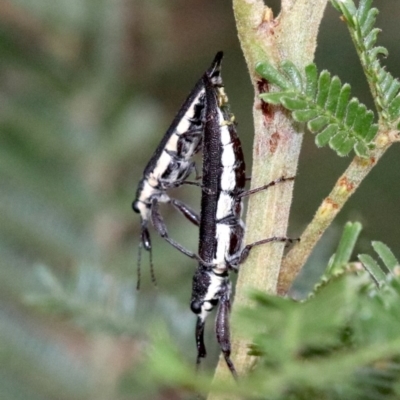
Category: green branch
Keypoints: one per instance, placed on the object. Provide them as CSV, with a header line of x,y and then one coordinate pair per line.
x,y
327,211
385,90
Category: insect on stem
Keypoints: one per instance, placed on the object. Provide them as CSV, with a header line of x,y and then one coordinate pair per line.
x,y
172,162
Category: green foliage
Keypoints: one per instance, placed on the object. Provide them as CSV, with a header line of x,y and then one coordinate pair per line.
x,y
342,343
390,264
323,103
345,249
339,263
385,88
93,299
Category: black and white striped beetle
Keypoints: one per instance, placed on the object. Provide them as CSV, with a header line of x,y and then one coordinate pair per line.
x,y
221,227
171,164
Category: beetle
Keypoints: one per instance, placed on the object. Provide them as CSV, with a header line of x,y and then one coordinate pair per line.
x,y
171,164
221,230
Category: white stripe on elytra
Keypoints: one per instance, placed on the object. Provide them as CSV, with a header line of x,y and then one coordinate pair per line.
x,y
223,237
162,164
226,200
225,135
224,206
165,159
228,179
228,159
172,144
185,122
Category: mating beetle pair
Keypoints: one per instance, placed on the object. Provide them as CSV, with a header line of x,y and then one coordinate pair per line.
x,y
203,122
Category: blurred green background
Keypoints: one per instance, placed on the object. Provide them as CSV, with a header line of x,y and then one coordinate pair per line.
x,y
88,88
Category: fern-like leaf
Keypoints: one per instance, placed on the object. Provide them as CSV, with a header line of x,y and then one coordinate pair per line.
x,y
373,268
378,272
323,103
387,257
339,263
345,249
385,88
347,335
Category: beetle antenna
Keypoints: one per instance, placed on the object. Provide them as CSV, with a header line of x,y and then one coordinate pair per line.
x,y
139,259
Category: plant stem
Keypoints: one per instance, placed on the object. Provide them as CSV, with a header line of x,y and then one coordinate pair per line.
x,y
327,211
276,147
